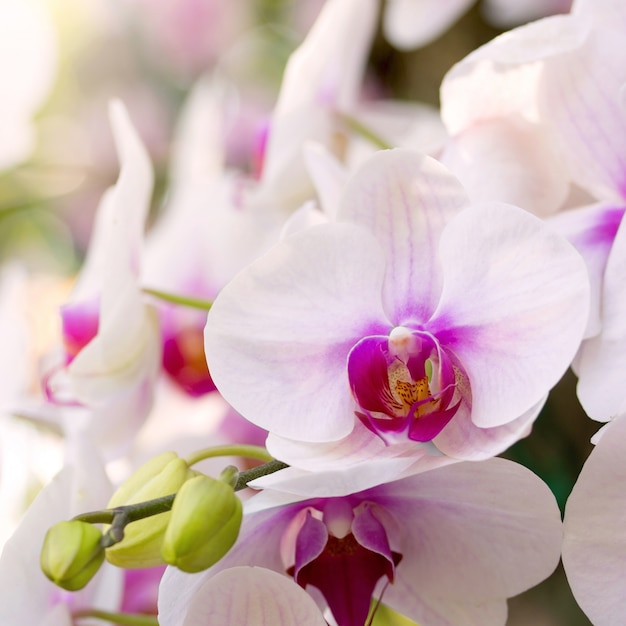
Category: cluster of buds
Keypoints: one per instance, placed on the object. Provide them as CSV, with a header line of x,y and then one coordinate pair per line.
x,y
165,512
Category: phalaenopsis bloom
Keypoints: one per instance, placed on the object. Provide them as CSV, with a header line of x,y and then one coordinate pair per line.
x,y
444,547
421,315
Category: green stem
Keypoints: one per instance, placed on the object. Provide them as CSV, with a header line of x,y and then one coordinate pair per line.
x,y
250,452
360,129
131,512
194,303
123,619
257,472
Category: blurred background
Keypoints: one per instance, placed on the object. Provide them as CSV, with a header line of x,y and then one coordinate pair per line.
x,y
61,61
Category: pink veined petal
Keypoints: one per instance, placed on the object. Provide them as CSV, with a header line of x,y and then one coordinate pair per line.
x,y
513,308
278,335
469,533
414,23
603,358
405,199
580,100
594,547
243,596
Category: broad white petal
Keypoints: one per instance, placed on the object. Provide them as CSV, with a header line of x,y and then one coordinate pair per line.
x,y
470,533
513,309
242,596
509,160
580,100
502,77
278,335
594,547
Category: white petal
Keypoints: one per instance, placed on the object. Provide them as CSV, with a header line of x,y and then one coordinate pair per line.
x,y
602,359
471,533
405,199
594,548
513,309
501,78
278,335
509,160
243,596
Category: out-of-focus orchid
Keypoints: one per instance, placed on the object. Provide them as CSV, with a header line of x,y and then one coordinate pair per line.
x,y
28,64
111,355
26,596
444,547
413,23
428,318
188,36
594,546
205,235
322,78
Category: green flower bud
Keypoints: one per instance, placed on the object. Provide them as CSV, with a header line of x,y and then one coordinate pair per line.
x,y
141,546
72,554
205,522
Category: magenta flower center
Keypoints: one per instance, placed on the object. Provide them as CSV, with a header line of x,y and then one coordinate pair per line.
x,y
344,555
405,384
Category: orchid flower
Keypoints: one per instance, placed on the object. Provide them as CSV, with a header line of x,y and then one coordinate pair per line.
x,y
423,317
414,23
594,546
111,356
444,547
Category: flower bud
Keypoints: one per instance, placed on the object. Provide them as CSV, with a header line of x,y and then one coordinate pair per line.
x,y
72,554
205,522
141,546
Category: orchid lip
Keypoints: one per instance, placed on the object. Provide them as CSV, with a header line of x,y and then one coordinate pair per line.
x,y
347,568
405,384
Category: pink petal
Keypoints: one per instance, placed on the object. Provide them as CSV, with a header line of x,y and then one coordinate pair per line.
x,y
405,199
580,100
